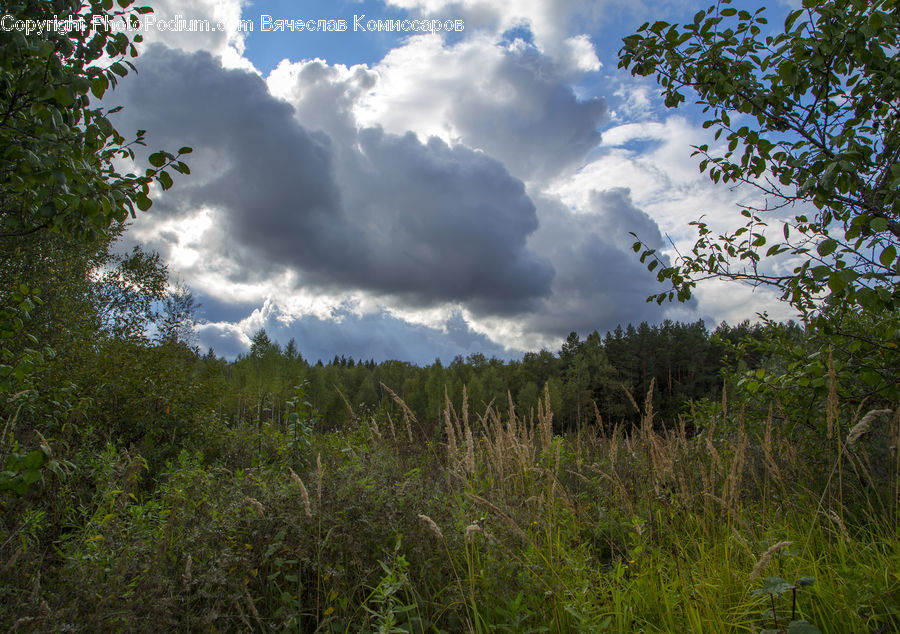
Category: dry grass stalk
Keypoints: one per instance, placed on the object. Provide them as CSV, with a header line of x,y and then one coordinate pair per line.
x,y
304,494
863,426
256,505
320,475
409,434
614,446
475,528
732,485
465,410
347,403
408,415
735,516
831,409
450,430
373,429
253,607
711,448
631,400
616,481
470,452
454,418
432,526
242,616
392,428
724,397
10,421
545,419
45,445
556,485
503,516
766,557
647,419
186,577
598,417
772,467
834,517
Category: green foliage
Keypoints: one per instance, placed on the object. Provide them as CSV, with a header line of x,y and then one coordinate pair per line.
x,y
774,587
22,470
57,152
390,611
301,421
822,134
17,362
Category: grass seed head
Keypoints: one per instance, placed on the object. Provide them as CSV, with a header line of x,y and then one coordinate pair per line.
x,y
304,494
767,556
863,426
432,526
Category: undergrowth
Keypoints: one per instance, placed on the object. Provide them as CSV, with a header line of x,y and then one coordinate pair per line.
x,y
482,521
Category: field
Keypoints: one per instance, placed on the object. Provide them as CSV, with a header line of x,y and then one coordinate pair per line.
x,y
486,520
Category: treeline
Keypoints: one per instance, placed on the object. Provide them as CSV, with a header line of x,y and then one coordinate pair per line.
x,y
596,380
117,364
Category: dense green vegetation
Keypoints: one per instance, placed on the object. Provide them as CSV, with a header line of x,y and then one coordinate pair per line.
x,y
652,479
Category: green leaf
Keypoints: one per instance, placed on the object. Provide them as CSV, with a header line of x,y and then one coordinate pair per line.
x,y
888,256
803,627
35,459
836,283
99,85
165,180
64,96
143,203
791,18
776,585
878,225
157,159
826,247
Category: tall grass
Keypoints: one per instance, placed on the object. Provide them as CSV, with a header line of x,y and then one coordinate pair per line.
x,y
486,520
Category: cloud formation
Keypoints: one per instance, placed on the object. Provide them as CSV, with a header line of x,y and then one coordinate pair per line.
x,y
392,210
517,106
425,221
380,336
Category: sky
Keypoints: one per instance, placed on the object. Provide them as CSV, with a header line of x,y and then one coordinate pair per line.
x,y
418,196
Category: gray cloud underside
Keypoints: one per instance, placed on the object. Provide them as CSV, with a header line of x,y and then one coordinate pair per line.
x,y
599,282
426,221
378,336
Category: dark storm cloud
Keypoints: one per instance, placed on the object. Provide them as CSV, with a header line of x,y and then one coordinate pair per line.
x,y
425,221
446,218
599,283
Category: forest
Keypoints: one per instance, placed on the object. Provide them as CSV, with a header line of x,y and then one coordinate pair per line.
x,y
666,477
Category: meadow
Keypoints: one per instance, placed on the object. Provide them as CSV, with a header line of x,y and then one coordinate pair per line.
x,y
486,519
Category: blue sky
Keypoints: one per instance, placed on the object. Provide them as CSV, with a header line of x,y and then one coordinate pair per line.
x,y
415,196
